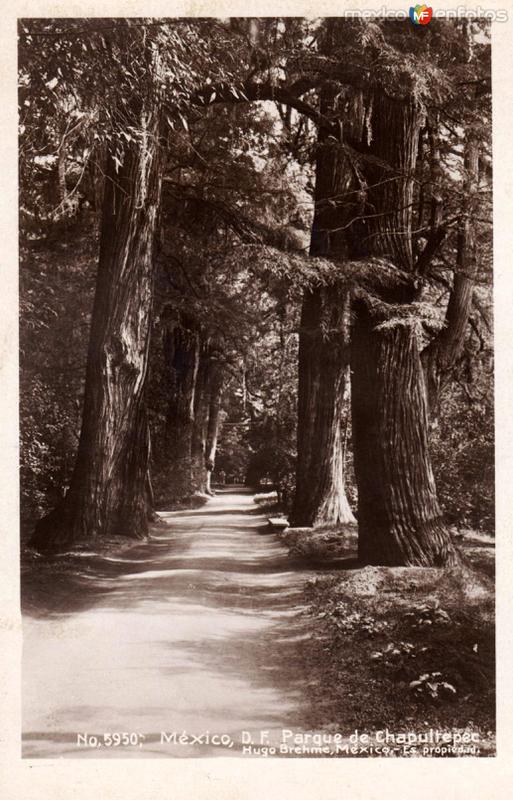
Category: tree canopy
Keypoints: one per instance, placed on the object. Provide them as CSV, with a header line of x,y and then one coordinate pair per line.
x,y
347,162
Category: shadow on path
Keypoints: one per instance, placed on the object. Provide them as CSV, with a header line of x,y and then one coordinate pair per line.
x,y
198,629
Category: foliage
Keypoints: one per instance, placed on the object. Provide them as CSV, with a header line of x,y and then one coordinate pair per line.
x,y
235,219
432,685
56,286
463,452
376,662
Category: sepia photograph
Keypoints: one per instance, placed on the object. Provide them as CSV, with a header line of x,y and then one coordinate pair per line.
x,y
256,387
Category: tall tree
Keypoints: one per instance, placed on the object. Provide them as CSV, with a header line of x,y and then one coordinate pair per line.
x,y
399,517
108,493
181,354
320,497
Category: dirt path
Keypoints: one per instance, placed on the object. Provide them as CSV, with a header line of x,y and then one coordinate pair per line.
x,y
196,631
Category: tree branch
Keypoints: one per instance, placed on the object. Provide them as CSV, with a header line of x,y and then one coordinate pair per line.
x,y
250,92
433,244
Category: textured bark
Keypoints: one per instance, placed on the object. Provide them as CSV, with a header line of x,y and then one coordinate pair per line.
x,y
181,352
108,490
389,171
399,519
323,364
320,497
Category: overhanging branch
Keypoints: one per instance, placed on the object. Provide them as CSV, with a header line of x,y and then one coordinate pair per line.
x,y
258,92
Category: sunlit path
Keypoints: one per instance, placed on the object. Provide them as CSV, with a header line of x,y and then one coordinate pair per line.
x,y
197,631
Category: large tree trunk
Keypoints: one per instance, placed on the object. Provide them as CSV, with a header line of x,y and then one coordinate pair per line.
x,y
320,497
181,352
399,519
400,523
388,170
108,490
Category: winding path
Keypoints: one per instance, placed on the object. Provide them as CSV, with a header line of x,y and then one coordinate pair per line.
x,y
196,631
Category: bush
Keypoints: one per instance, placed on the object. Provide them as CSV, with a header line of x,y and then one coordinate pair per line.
x,y
462,448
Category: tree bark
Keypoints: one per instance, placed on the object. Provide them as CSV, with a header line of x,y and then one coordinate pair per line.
x,y
108,490
389,171
399,519
181,351
320,497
